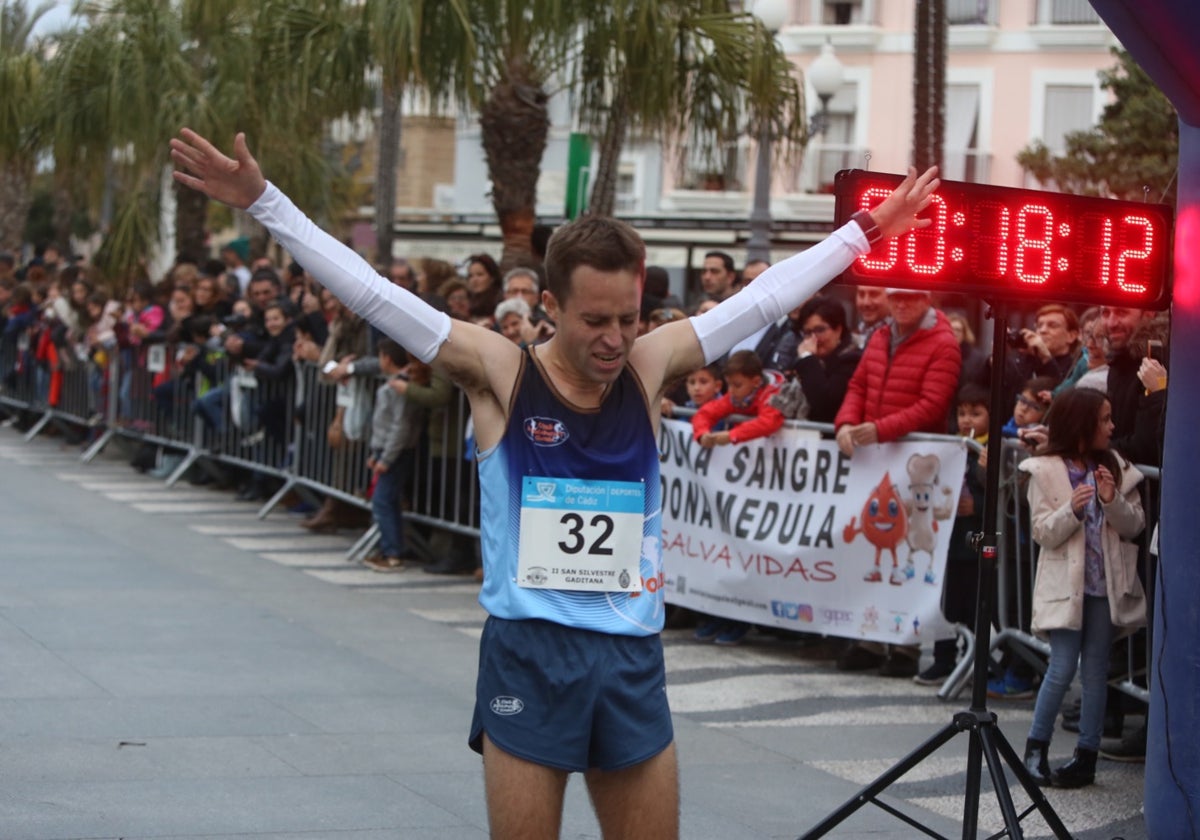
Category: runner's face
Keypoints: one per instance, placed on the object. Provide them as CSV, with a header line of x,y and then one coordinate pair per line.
x,y
598,322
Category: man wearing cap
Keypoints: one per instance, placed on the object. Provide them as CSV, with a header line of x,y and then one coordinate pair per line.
x,y
234,254
905,382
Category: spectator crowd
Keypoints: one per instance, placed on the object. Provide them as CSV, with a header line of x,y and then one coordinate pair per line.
x,y
238,346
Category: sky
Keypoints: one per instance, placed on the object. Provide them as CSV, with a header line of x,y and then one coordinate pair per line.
x,y
56,18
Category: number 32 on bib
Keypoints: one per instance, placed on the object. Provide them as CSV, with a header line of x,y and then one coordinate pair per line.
x,y
581,535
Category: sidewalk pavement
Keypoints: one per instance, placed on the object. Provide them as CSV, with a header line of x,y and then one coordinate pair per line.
x,y
171,666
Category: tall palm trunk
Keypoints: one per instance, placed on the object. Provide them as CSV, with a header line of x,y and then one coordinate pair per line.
x,y
929,83
515,124
64,211
16,197
191,223
385,174
608,166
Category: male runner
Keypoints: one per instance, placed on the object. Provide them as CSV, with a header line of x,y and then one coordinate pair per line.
x,y
571,674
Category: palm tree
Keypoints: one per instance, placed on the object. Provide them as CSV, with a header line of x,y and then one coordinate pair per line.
x,y
685,71
522,45
22,134
374,53
929,83
142,68
425,45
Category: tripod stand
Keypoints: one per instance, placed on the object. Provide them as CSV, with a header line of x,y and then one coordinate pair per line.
x,y
987,742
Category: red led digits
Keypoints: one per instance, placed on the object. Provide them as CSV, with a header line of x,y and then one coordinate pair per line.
x,y
925,249
1001,242
1028,245
1097,234
1123,280
891,248
991,240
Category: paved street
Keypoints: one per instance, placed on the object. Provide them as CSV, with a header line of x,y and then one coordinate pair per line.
x,y
171,666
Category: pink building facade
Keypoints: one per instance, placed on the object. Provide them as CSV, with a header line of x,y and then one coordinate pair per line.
x,y
1017,71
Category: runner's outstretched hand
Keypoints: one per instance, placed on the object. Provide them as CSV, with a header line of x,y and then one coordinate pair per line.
x,y
235,181
897,214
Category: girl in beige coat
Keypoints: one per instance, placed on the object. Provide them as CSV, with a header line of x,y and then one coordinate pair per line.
x,y
1084,508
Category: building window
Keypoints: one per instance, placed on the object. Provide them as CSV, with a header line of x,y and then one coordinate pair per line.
x,y
723,171
1066,13
627,189
844,12
963,160
835,148
966,12
1068,108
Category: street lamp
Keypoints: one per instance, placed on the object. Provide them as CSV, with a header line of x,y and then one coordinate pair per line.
x,y
773,14
826,75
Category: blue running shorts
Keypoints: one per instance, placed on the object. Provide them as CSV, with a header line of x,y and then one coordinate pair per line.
x,y
568,698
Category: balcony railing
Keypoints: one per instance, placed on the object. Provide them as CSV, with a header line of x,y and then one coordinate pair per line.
x,y
1065,13
968,12
835,12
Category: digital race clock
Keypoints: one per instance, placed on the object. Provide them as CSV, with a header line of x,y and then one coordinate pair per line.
x,y
1005,243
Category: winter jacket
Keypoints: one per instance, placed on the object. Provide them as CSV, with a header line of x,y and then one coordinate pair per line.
x,y
910,390
825,381
1058,583
767,418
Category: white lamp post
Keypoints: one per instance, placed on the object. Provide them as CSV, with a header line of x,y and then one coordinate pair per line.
x,y
826,75
773,14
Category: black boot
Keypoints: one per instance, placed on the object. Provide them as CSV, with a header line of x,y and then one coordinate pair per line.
x,y
1036,762
1080,771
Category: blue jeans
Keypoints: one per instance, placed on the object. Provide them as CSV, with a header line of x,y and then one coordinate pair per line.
x,y
211,408
385,505
1068,648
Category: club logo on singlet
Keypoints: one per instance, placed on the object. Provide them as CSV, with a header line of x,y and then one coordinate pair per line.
x,y
546,431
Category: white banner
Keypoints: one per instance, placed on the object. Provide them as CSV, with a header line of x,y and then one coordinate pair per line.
x,y
786,531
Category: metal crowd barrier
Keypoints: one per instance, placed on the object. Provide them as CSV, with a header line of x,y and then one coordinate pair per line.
x,y
212,415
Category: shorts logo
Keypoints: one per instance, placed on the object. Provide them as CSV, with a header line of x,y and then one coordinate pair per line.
x,y
546,431
506,706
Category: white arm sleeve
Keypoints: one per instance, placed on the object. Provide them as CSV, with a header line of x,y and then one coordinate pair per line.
x,y
777,291
403,316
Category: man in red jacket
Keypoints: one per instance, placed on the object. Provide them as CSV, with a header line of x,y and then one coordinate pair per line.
x,y
906,379
905,382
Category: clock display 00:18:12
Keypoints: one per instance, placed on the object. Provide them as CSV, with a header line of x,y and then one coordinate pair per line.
x,y
1020,243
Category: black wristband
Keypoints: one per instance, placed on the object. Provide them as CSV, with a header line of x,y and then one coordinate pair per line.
x,y
870,230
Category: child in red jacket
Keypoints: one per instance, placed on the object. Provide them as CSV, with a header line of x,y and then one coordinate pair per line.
x,y
746,392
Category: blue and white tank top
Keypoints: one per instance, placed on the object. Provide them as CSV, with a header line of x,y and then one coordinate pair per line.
x,y
547,436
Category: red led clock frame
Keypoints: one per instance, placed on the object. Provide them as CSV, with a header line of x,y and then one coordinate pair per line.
x,y
1013,244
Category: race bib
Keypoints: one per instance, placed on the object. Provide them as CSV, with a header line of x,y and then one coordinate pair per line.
x,y
581,535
